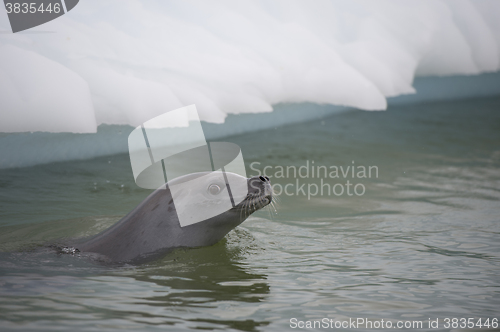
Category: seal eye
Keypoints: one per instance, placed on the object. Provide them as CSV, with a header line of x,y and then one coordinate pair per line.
x,y
213,189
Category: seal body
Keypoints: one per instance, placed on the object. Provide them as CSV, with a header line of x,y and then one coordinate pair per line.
x,y
153,226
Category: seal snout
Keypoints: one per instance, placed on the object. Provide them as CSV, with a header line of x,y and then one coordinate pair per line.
x,y
260,186
268,189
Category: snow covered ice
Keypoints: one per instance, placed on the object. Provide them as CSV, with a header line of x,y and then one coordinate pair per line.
x,y
124,62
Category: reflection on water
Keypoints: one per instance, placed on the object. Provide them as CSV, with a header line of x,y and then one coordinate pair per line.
x,y
198,288
422,242
208,286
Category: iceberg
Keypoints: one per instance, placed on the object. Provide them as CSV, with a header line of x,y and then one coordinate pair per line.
x,y
122,63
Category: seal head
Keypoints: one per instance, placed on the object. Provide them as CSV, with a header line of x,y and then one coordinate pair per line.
x,y
153,227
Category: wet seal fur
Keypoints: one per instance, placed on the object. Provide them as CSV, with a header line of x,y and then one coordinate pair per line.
x,y
153,227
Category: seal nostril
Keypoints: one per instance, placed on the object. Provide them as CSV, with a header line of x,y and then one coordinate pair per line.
x,y
267,178
263,179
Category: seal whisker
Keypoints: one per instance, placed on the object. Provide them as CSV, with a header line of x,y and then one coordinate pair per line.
x,y
276,198
270,213
247,204
274,207
242,211
248,209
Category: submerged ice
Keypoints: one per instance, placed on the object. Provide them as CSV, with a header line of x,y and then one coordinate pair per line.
x,y
124,62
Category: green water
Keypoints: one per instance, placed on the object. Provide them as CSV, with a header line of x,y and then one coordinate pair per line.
x,y
421,242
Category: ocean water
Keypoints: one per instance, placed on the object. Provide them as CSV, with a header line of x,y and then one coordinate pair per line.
x,y
417,240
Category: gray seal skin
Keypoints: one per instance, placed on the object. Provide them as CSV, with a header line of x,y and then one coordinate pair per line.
x,y
153,227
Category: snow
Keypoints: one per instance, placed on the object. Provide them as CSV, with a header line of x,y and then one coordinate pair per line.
x,y
124,62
